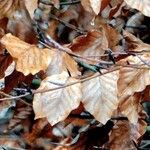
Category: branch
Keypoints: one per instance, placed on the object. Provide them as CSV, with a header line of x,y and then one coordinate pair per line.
x,y
116,67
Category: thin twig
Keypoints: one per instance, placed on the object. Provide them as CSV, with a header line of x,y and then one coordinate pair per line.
x,y
61,3
56,45
70,3
60,87
73,83
71,26
14,97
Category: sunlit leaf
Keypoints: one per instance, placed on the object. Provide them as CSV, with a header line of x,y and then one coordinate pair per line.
x,y
141,5
29,58
56,105
100,96
92,6
31,6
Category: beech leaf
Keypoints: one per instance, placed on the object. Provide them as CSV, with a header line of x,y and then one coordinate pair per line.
x,y
100,96
28,58
141,5
92,6
64,63
121,136
132,80
56,105
93,44
131,108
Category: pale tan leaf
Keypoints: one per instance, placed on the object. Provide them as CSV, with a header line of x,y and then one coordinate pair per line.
x,y
141,5
31,5
92,6
56,105
61,61
29,58
100,96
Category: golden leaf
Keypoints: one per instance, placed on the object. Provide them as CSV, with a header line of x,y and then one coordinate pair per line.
x,y
141,5
56,105
28,58
100,96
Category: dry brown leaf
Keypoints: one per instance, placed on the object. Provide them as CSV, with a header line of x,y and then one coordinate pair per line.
x,y
21,25
134,43
112,35
141,5
93,44
29,58
92,6
5,61
12,80
146,94
132,80
37,128
100,96
56,105
104,4
131,107
121,137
